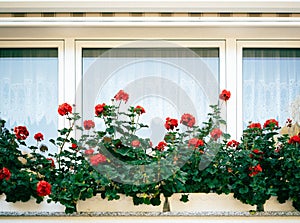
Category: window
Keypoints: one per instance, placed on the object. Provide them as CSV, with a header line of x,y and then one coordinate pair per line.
x,y
167,80
270,81
29,88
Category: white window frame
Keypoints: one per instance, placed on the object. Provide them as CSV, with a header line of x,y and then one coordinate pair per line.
x,y
239,85
63,87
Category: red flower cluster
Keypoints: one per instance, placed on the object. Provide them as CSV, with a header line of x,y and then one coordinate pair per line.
x,y
161,146
271,123
21,132
99,109
88,124
89,152
135,143
188,120
216,133
5,174
194,142
74,146
139,110
233,143
121,95
98,158
254,125
225,95
255,170
171,123
43,188
257,151
51,162
294,139
39,137
64,109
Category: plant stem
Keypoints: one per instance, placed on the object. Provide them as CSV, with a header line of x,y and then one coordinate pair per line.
x,y
64,142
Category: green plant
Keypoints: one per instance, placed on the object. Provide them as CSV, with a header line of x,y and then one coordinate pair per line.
x,y
255,164
113,160
288,176
22,172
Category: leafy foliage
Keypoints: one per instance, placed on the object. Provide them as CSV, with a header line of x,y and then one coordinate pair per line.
x,y
114,160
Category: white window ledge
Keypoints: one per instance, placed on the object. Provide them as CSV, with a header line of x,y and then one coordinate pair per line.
x,y
275,6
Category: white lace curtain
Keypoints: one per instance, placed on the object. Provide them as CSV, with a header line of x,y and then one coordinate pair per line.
x,y
167,82
29,88
271,83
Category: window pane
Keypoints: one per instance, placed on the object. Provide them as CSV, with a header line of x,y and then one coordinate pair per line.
x,y
167,82
29,89
271,82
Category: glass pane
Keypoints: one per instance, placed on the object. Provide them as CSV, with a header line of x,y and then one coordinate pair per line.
x,y
271,83
167,82
29,90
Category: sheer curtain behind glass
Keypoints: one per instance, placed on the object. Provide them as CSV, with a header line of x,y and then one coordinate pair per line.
x,y
271,82
29,89
167,82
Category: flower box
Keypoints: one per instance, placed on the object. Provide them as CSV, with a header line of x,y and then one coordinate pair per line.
x,y
124,204
273,205
208,202
204,202
30,206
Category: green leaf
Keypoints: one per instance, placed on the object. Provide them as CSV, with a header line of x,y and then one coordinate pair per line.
x,y
243,190
184,198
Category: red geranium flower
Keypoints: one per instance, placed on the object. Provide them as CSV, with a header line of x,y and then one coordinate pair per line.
x,y
161,146
121,95
188,120
5,174
98,158
225,95
89,152
139,110
21,132
294,139
88,124
171,123
271,123
257,151
99,109
233,143
216,133
195,142
74,145
43,188
64,109
255,170
52,162
135,143
39,137
254,125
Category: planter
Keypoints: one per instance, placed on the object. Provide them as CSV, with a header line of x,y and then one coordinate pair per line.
x,y
273,205
214,202
208,202
30,206
124,204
